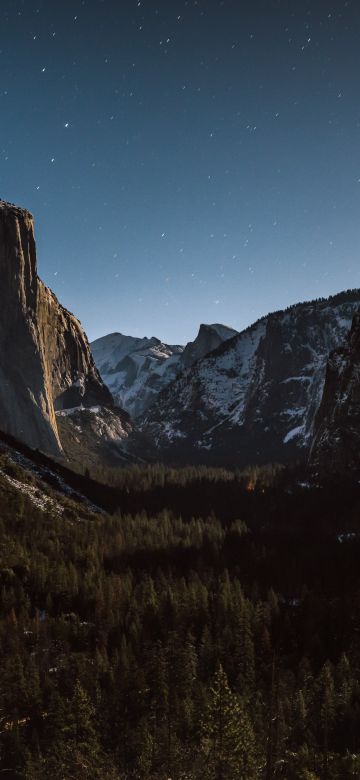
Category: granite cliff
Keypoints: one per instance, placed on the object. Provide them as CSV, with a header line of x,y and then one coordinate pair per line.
x,y
45,359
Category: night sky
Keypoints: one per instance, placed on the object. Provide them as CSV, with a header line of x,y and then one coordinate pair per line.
x,y
185,162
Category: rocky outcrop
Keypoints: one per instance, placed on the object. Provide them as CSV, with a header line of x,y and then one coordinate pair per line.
x,y
96,436
254,399
210,337
45,360
336,443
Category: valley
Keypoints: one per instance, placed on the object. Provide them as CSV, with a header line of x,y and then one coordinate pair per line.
x,y
179,531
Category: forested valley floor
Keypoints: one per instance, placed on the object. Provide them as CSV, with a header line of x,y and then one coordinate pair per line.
x,y
208,626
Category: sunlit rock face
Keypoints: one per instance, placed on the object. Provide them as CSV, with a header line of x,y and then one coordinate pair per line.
x,y
336,444
45,360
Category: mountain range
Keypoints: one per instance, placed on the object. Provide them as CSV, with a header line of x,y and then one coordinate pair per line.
x,y
285,387
255,398
230,397
136,370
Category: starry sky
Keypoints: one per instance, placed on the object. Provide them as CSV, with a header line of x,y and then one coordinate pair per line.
x,y
185,161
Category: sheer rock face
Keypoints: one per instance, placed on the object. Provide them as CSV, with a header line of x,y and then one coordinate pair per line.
x,y
45,360
336,444
210,337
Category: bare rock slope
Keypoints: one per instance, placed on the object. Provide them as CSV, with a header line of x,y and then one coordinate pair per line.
x,y
45,360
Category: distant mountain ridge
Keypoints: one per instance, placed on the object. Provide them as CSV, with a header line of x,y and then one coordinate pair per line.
x,y
136,370
255,397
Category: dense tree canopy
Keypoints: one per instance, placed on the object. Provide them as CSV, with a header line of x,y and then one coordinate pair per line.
x,y
152,646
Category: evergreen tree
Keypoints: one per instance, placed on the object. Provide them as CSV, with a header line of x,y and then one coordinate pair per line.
x,y
228,742
77,752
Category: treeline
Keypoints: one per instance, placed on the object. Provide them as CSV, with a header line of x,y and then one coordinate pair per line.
x,y
350,295
158,646
148,477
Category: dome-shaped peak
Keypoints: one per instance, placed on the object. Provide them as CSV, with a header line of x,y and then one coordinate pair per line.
x,y
209,338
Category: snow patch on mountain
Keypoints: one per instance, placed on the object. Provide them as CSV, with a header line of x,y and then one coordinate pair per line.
x,y
136,370
37,497
255,397
228,378
293,434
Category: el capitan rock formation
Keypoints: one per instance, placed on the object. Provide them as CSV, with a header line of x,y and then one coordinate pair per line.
x,y
45,360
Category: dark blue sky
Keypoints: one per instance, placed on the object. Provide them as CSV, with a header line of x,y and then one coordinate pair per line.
x,y
186,162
